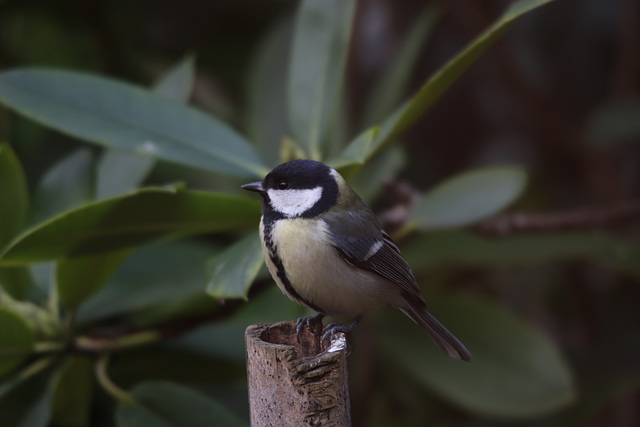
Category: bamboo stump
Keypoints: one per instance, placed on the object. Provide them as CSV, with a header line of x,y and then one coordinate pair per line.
x,y
296,384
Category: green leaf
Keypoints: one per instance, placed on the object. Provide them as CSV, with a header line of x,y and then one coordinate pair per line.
x,y
369,180
133,219
361,148
13,212
14,201
119,115
44,283
463,247
392,84
17,282
320,45
165,404
120,171
156,275
266,118
77,279
615,123
28,402
153,362
177,83
468,198
225,340
185,304
16,339
233,270
73,392
43,322
515,371
67,184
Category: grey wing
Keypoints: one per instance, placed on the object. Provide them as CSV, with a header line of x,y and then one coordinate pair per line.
x,y
361,242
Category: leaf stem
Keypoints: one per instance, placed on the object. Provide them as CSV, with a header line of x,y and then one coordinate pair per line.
x,y
109,386
36,367
48,346
98,345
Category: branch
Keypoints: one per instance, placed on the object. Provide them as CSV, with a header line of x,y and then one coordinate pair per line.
x,y
404,197
583,218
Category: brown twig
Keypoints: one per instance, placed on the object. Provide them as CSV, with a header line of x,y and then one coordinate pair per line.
x,y
404,197
584,218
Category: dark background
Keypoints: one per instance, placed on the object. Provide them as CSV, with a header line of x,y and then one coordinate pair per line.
x,y
533,99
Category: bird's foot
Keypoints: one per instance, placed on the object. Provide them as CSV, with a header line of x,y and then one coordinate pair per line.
x,y
332,329
312,323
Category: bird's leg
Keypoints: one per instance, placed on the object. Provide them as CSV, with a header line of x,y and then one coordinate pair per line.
x,y
310,323
333,328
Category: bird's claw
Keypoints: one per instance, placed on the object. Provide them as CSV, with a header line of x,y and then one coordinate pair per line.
x,y
313,322
332,329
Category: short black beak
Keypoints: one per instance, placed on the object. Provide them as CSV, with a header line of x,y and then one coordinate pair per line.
x,y
254,186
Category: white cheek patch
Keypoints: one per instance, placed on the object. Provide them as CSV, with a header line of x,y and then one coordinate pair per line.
x,y
292,203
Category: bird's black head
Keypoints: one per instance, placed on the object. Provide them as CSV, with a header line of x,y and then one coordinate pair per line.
x,y
299,188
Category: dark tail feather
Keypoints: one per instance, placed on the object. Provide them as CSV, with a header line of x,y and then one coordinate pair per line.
x,y
438,333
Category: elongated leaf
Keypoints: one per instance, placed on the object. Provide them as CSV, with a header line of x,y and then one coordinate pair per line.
x,y
43,275
266,118
67,184
233,270
42,321
320,46
11,381
361,148
153,276
469,197
464,247
380,169
13,213
14,200
129,220
515,370
17,282
28,402
79,278
121,171
73,392
392,84
177,83
123,116
16,339
165,404
225,340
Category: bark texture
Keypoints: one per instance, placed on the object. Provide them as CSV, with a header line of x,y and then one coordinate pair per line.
x,y
295,383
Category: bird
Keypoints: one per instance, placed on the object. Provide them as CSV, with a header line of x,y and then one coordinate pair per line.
x,y
325,249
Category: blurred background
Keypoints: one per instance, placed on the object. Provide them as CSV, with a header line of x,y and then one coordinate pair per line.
x,y
557,94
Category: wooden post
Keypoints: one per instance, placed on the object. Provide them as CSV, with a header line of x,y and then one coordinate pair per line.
x,y
295,384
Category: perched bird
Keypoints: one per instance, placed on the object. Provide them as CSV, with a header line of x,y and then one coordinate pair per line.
x,y
325,249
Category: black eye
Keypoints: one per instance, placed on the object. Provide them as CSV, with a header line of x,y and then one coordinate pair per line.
x,y
283,185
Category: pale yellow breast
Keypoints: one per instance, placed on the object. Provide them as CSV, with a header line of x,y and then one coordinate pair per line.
x,y
320,276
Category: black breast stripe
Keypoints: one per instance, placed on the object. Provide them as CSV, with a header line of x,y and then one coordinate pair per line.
x,y
282,274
